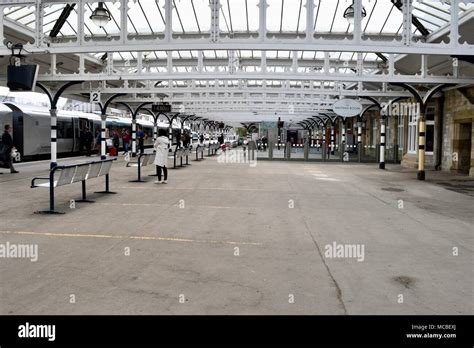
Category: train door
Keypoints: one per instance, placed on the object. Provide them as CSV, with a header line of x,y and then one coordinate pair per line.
x,y
83,123
75,123
18,131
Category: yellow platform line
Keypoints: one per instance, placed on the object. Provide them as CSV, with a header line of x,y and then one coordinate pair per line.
x,y
168,205
167,239
193,188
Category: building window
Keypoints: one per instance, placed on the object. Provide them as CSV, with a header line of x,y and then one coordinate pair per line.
x,y
374,132
400,132
412,130
430,123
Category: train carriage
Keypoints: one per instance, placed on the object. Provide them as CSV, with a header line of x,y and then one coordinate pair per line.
x,y
31,129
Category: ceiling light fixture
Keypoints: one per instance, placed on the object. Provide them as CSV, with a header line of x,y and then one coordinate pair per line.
x,y
100,16
349,13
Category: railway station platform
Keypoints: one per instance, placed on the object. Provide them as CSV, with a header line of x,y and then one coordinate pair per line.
x,y
224,238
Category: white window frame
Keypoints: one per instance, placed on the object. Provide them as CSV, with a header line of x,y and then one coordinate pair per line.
x,y
401,134
374,133
412,131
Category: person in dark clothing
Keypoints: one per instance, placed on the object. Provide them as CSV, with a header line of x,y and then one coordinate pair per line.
x,y
116,139
141,139
186,140
7,142
201,138
82,140
264,143
220,139
88,139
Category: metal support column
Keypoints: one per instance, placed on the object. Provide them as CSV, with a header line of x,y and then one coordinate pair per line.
x,y
383,121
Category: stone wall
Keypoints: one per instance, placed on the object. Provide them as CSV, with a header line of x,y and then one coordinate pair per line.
x,y
458,115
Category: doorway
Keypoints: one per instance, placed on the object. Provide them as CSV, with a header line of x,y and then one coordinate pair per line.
x,y
465,130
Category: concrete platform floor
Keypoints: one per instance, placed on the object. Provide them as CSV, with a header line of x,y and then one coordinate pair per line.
x,y
281,216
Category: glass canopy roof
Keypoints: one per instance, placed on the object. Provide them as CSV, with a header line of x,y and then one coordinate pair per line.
x,y
147,17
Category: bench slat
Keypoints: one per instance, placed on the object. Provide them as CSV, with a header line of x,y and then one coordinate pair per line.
x,y
105,168
81,173
94,170
66,176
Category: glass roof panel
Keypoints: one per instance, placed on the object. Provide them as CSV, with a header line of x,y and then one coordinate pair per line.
x,y
191,16
147,16
18,12
324,13
238,16
382,17
286,16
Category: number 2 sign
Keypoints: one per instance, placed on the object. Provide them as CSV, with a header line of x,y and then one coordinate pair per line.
x,y
95,97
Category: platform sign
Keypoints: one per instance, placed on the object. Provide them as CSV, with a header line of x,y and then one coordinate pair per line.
x,y
95,97
161,107
347,107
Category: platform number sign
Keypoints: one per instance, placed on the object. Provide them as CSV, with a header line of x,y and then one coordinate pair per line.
x,y
95,97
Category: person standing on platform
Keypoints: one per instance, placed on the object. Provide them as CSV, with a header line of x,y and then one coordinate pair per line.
x,y
82,140
97,141
116,139
141,139
7,142
126,141
88,139
187,140
161,158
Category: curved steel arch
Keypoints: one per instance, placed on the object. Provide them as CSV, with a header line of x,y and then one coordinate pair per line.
x,y
323,121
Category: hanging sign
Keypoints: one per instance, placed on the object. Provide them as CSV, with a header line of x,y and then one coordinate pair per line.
x,y
95,97
161,107
347,107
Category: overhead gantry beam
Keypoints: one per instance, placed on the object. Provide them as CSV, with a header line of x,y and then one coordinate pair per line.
x,y
390,77
302,91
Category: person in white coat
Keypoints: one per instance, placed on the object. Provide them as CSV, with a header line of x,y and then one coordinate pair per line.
x,y
161,158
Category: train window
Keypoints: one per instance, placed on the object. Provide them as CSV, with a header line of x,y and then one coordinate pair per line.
x,y
64,130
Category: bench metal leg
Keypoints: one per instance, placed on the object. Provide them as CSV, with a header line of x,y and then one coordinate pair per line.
x,y
51,202
139,179
187,161
84,198
51,212
106,186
